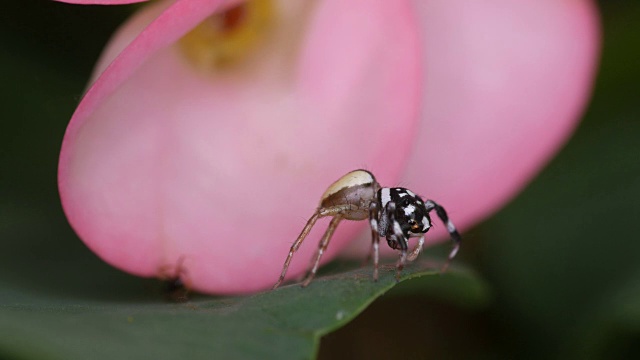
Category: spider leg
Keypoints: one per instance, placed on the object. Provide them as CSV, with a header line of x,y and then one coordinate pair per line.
x,y
322,247
296,245
416,251
453,232
402,244
375,239
397,237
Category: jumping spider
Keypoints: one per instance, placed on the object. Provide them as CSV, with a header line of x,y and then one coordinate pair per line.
x,y
394,213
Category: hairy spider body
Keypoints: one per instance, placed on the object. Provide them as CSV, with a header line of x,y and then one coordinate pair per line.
x,y
396,214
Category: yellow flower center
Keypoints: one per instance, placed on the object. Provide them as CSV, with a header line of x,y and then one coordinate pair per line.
x,y
228,37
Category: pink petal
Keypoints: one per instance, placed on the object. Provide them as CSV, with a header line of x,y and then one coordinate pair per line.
x,y
161,161
506,84
164,31
101,2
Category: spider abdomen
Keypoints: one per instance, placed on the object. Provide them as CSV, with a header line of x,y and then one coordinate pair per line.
x,y
355,191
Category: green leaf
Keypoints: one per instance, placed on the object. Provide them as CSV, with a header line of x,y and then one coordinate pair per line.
x,y
284,323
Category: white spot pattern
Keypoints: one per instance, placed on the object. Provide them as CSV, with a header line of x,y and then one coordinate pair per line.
x,y
396,228
450,226
409,210
425,223
385,196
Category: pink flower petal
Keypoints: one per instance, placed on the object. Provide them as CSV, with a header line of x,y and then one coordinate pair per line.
x,y
162,161
101,2
168,27
506,84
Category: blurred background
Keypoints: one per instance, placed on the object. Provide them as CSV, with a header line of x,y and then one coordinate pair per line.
x,y
561,261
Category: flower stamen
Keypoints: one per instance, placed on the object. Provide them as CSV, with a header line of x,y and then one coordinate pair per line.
x,y
226,38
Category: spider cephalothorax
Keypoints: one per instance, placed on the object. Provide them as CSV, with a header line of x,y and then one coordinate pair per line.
x,y
410,212
396,214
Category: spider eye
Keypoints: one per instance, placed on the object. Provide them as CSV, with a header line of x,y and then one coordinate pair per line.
x,y
405,202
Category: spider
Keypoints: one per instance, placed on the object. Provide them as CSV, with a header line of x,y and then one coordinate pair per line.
x,y
396,214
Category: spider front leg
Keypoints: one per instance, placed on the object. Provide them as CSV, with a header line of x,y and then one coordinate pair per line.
x,y
416,251
453,232
397,238
402,245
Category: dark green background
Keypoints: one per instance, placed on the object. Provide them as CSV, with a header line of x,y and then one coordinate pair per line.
x,y
562,259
